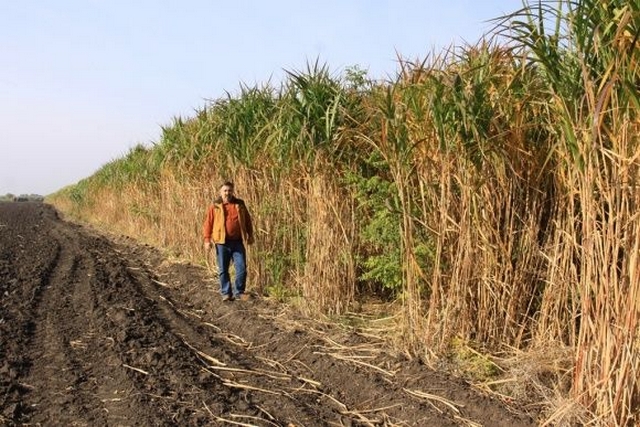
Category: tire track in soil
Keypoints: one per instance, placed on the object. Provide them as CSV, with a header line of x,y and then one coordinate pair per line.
x,y
97,330
73,359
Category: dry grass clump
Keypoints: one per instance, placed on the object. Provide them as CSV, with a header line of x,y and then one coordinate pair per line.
x,y
538,375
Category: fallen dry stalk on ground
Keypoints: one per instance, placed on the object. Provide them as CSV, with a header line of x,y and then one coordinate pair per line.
x,y
135,369
204,355
274,375
432,397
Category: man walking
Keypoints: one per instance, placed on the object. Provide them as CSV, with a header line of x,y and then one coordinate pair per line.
x,y
228,226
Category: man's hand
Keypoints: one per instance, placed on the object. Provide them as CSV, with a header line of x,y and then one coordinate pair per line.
x,y
207,246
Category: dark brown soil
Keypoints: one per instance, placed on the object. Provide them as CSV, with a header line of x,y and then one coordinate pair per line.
x,y
98,330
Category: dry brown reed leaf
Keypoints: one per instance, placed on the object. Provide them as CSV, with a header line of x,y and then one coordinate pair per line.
x,y
264,411
166,285
283,313
506,399
304,365
466,421
342,406
189,313
368,347
367,411
274,375
432,397
290,358
207,408
212,373
309,381
316,331
362,419
250,417
113,399
272,363
135,369
373,422
165,300
235,423
236,340
355,360
211,325
487,385
234,384
378,334
567,412
204,355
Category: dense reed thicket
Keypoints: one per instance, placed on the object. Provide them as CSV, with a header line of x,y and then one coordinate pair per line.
x,y
492,190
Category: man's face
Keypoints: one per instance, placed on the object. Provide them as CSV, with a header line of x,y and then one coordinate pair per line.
x,y
226,192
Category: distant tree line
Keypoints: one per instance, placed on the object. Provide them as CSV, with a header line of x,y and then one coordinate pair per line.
x,y
22,198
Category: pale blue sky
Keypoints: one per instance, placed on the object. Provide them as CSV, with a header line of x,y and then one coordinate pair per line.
x,y
83,81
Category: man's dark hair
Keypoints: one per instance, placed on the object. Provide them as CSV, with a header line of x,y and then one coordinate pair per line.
x,y
227,184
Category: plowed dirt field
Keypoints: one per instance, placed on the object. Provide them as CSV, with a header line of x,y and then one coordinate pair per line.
x,y
101,331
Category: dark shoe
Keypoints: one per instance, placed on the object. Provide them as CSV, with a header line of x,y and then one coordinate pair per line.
x,y
227,298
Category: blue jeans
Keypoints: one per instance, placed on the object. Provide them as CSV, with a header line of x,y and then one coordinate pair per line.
x,y
233,250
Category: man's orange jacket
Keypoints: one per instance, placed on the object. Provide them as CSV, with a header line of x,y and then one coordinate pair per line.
x,y
214,227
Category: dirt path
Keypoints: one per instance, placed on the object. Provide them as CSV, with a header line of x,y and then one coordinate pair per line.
x,y
97,331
